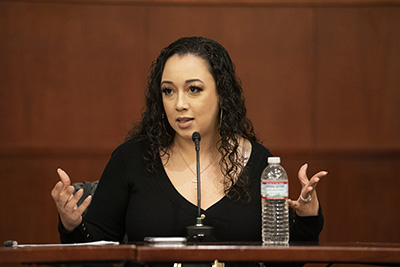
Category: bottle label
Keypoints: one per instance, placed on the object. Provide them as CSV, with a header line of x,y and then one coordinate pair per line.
x,y
275,190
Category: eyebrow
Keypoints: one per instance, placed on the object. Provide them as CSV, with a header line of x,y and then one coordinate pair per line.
x,y
187,81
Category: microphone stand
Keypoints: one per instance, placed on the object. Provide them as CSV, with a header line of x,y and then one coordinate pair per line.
x,y
199,232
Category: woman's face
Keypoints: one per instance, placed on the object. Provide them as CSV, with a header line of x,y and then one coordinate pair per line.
x,y
189,95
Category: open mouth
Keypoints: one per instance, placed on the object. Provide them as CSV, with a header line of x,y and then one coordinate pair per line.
x,y
184,122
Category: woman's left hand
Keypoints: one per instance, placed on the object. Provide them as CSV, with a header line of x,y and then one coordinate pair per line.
x,y
307,204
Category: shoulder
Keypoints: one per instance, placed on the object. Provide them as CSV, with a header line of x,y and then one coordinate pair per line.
x,y
131,149
259,155
259,150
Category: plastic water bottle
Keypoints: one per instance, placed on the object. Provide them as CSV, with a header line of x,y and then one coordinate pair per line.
x,y
274,203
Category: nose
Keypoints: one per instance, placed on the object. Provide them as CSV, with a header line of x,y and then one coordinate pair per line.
x,y
181,102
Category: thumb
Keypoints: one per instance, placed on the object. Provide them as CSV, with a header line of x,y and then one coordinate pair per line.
x,y
294,204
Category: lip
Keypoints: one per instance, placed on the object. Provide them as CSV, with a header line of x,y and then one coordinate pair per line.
x,y
184,122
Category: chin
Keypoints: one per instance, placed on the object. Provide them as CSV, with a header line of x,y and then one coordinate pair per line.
x,y
186,133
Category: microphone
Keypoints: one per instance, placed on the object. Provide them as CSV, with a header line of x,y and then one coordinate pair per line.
x,y
199,232
196,139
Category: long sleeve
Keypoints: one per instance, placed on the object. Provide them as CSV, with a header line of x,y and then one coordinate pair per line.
x,y
306,229
105,217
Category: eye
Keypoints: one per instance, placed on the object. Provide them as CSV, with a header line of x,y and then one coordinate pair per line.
x,y
195,89
166,91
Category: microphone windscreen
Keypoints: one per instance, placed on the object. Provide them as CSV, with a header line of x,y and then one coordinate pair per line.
x,y
196,137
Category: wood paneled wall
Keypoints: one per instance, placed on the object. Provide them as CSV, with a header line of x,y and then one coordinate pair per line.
x,y
321,80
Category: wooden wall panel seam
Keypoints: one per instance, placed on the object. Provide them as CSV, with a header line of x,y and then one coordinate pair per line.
x,y
226,3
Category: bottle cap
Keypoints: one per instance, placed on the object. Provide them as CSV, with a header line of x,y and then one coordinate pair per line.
x,y
274,160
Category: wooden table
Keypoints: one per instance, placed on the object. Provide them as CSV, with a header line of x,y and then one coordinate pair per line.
x,y
350,253
358,253
66,254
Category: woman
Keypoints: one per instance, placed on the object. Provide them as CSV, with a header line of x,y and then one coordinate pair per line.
x,y
148,188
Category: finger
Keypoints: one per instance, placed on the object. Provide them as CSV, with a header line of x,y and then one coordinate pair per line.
x,y
302,175
66,195
313,182
320,174
64,177
56,190
307,192
316,178
85,204
71,204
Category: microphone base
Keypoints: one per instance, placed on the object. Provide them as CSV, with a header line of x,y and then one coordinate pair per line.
x,y
200,233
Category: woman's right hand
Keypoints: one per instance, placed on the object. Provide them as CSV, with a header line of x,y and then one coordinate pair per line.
x,y
66,202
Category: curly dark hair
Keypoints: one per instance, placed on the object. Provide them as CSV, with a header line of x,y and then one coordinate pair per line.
x,y
154,126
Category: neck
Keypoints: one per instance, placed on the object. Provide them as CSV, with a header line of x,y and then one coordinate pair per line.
x,y
208,145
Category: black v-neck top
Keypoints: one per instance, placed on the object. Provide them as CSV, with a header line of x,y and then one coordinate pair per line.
x,y
130,200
